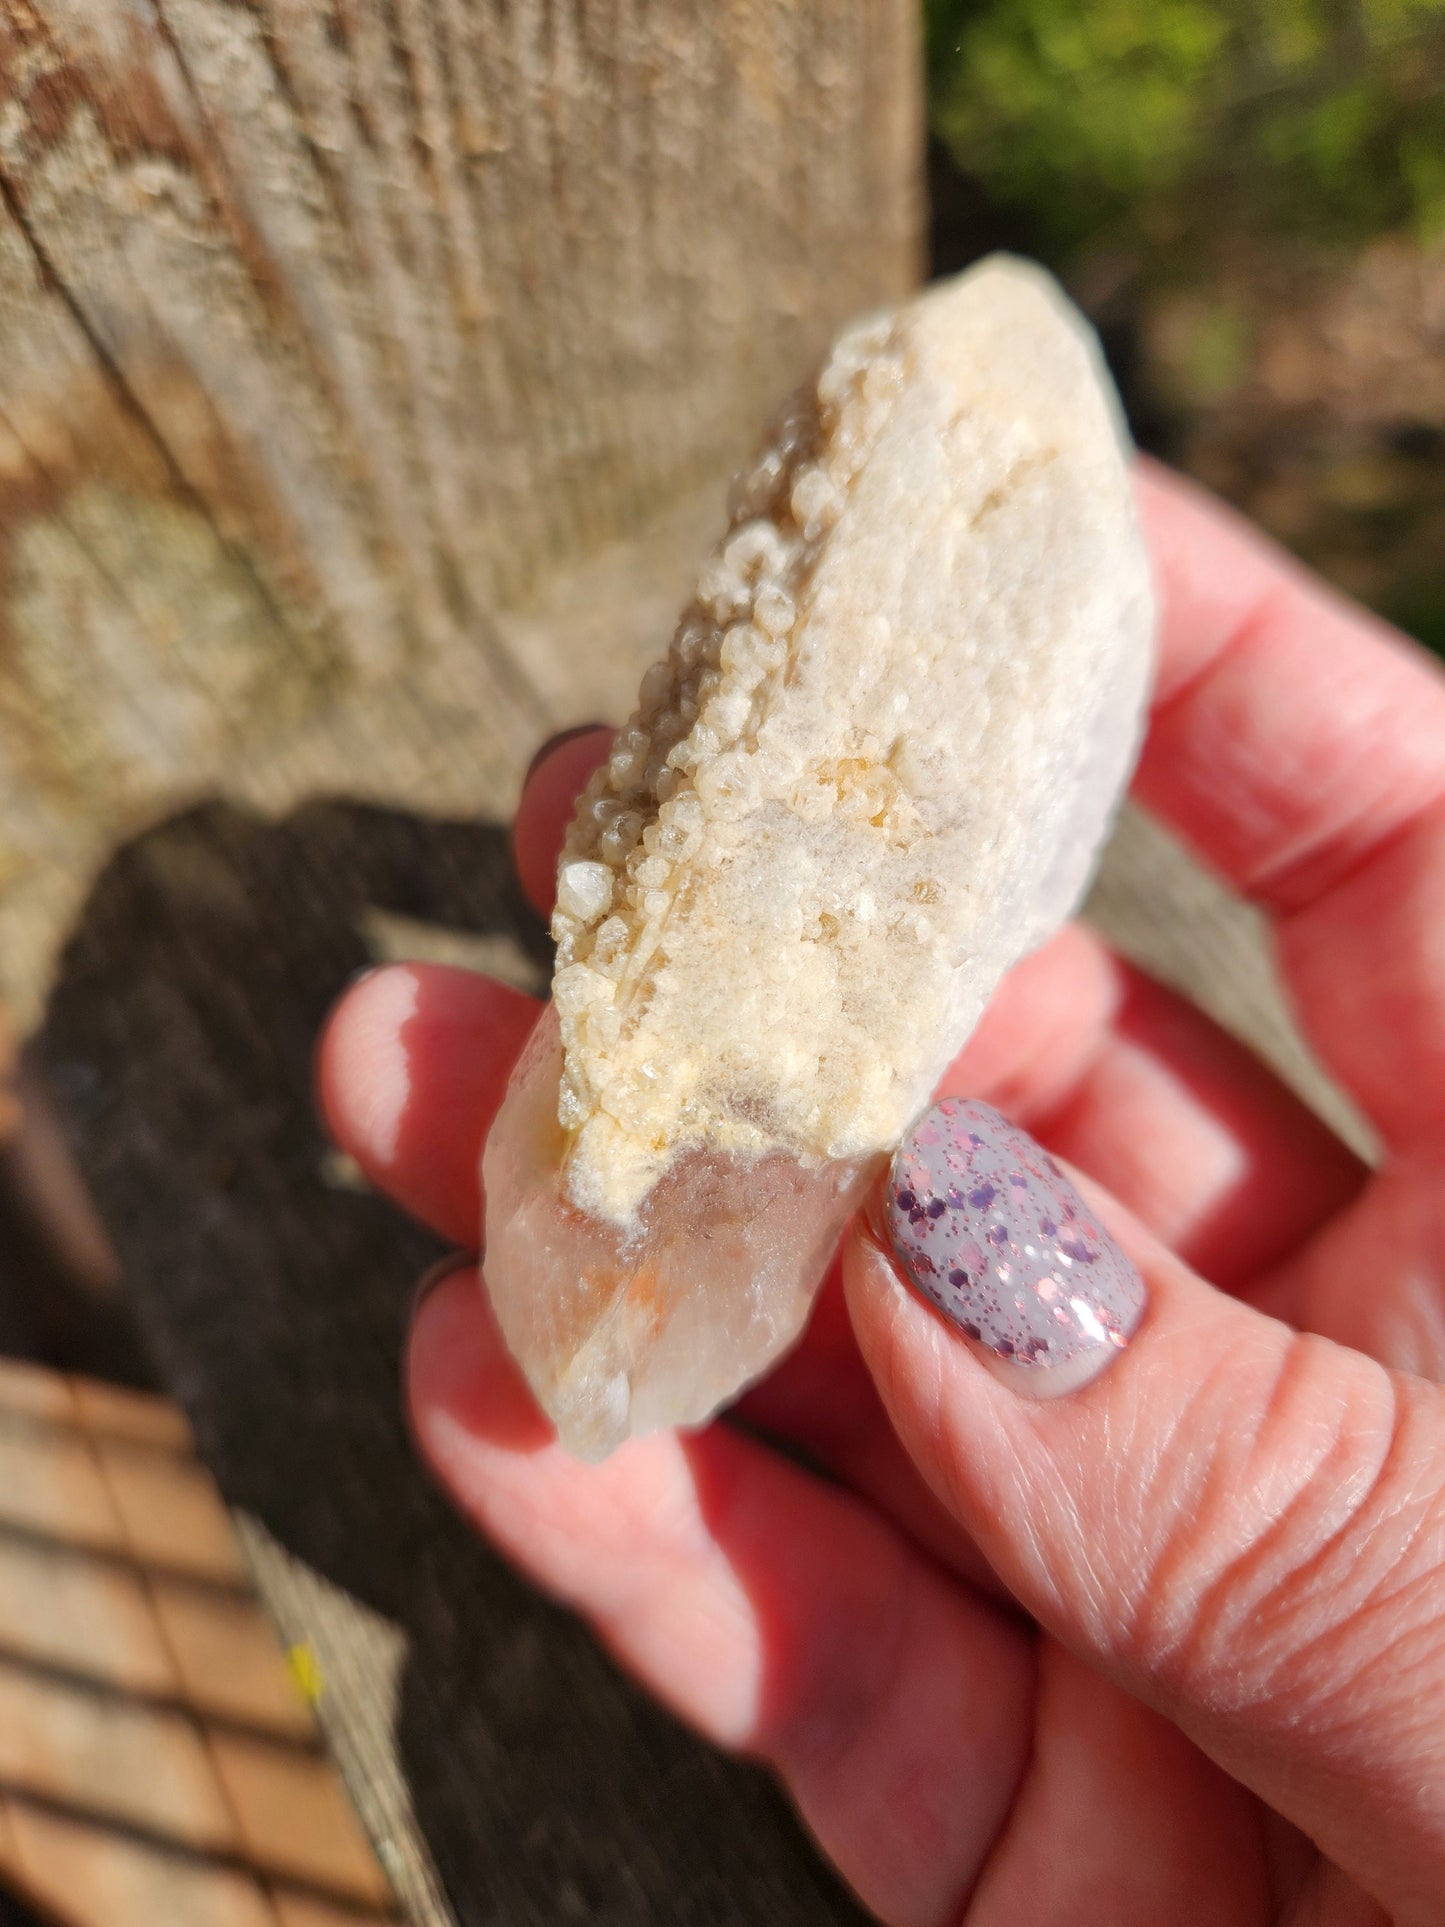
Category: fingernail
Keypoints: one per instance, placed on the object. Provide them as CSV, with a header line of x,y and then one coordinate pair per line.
x,y
989,1230
555,742
438,1274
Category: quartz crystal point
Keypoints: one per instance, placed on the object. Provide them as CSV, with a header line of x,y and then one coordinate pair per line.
x,y
872,772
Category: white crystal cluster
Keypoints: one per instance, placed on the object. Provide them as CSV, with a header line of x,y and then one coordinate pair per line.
x,y
873,770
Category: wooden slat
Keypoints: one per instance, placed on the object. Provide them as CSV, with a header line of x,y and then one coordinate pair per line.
x,y
92,1617
158,1764
92,1876
330,340
137,1418
302,1910
51,1484
30,1391
230,1665
170,1513
294,1817
369,379
115,1758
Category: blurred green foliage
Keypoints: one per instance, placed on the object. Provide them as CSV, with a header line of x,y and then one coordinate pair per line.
x,y
1161,118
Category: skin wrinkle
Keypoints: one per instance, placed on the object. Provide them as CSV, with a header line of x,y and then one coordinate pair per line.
x,y
1291,891
952,1477
1406,1697
1300,1376
1203,1557
1399,1541
1274,1696
1100,1586
1117,1452
1345,1552
1414,1607
1087,1584
1431,1560
1235,1601
1256,618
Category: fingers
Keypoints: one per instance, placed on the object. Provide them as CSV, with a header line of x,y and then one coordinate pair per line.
x,y
1198,1137
549,797
1123,1078
1374,1279
414,1058
1366,961
768,1609
1300,745
411,1067
1241,1524
1122,1822
1130,1083
1188,1128
1142,1091
1292,733
821,1398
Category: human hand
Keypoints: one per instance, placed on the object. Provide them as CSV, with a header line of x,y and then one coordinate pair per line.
x,y
1170,1647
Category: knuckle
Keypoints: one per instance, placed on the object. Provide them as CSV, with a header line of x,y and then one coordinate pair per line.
x,y
1291,1544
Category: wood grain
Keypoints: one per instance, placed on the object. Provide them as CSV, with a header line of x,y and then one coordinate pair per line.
x,y
370,375
333,335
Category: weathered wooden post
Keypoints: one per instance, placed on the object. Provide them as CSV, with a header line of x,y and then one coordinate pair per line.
x,y
370,374
335,339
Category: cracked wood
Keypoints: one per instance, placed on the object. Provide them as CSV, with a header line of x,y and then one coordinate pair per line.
x,y
361,364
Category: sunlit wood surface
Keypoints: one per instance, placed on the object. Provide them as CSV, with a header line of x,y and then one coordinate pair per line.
x,y
160,1764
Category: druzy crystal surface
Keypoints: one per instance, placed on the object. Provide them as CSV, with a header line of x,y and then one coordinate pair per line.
x,y
873,770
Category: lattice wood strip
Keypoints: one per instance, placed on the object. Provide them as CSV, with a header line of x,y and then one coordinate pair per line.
x,y
159,1762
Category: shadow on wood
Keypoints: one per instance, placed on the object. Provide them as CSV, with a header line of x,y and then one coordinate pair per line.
x,y
177,1049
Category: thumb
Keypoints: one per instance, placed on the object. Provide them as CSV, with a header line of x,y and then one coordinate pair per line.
x,y
1240,1523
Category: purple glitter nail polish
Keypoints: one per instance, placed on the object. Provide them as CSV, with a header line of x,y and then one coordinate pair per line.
x,y
989,1230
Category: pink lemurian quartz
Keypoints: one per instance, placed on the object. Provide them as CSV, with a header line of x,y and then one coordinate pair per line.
x,y
872,772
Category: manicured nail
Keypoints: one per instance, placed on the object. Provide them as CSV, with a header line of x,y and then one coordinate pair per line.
x,y
989,1230
555,742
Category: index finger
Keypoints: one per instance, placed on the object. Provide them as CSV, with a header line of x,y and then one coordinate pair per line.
x,y
1299,745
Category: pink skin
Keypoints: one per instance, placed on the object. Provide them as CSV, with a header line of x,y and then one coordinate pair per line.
x,y
1171,1647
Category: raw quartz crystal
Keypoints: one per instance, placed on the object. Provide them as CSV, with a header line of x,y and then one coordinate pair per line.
x,y
873,770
